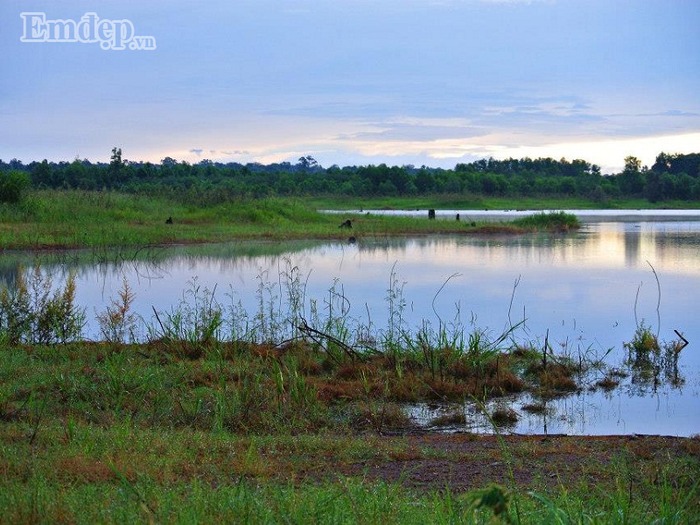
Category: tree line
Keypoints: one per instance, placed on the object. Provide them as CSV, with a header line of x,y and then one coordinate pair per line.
x,y
671,177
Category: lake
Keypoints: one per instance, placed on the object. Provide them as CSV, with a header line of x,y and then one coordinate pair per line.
x,y
585,292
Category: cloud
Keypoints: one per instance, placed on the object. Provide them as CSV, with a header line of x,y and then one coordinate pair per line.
x,y
671,113
346,81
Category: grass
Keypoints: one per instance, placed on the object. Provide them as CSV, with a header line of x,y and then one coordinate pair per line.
x,y
57,469
466,202
187,427
193,429
74,219
71,219
222,416
553,221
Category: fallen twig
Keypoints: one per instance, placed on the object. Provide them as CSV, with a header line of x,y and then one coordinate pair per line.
x,y
306,329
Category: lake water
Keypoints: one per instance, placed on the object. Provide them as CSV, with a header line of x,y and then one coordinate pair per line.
x,y
586,292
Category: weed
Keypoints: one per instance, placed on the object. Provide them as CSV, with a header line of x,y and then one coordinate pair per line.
x,y
197,320
643,344
608,383
652,361
494,498
117,323
396,303
536,408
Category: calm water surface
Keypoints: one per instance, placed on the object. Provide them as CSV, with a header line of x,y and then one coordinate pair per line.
x,y
586,291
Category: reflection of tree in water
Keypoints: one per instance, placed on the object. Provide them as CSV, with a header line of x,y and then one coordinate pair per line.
x,y
632,243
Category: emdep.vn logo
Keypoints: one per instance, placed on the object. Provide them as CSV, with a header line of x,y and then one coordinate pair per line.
x,y
114,35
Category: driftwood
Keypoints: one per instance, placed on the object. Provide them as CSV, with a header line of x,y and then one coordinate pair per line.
x,y
315,335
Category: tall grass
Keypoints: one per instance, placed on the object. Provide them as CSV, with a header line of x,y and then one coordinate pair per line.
x,y
72,219
69,219
446,361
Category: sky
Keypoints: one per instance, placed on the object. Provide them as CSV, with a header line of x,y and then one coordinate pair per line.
x,y
350,82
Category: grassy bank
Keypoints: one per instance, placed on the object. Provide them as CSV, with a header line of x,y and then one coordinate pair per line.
x,y
201,433
72,219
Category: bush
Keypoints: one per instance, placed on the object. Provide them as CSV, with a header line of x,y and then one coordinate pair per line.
x,y
12,186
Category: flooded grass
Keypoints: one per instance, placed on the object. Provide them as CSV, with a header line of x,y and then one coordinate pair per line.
x,y
455,418
148,431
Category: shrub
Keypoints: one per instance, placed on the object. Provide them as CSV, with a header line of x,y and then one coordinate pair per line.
x,y
12,186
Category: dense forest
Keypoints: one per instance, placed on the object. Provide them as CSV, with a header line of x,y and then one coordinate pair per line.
x,y
672,177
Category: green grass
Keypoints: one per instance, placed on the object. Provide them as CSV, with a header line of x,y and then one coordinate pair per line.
x,y
62,470
557,221
74,219
195,432
462,202
345,501
191,428
90,219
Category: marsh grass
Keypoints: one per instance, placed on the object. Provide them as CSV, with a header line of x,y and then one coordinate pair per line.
x,y
552,221
223,415
98,432
269,370
315,348
99,220
70,219
652,361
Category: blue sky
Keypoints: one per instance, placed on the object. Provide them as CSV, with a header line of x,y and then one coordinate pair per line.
x,y
432,82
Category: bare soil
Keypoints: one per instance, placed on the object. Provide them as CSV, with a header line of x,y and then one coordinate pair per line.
x,y
463,462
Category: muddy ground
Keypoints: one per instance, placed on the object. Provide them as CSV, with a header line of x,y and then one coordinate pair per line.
x,y
465,461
